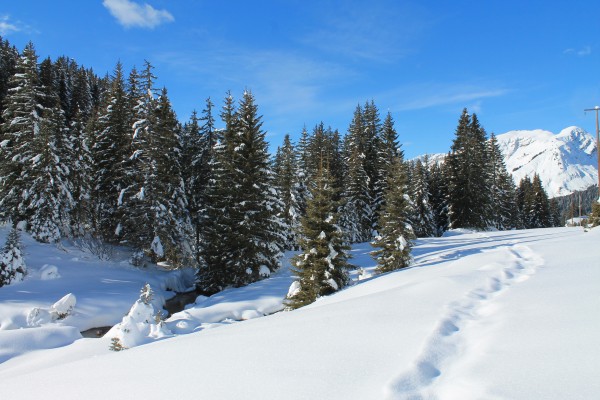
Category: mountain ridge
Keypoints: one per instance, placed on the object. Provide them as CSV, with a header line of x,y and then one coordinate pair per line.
x,y
566,162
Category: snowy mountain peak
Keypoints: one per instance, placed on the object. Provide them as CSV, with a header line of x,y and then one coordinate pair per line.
x,y
566,161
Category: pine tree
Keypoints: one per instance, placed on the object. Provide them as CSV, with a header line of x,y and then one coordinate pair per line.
x,y
242,233
501,208
555,216
540,206
9,57
423,222
166,190
49,199
388,151
111,151
285,167
12,264
321,267
523,200
357,213
438,187
396,236
468,194
595,215
22,117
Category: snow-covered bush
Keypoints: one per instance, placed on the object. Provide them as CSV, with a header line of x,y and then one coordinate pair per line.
x,y
94,245
63,307
137,259
49,272
60,310
12,264
141,325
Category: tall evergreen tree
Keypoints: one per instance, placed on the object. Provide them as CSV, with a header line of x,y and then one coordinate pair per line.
x,y
395,240
501,207
423,221
285,167
165,193
49,199
12,264
9,57
357,212
111,152
321,267
468,194
438,186
22,117
242,233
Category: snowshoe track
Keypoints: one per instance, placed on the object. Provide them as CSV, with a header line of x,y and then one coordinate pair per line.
x,y
447,343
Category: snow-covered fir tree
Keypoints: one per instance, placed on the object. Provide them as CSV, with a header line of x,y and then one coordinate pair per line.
x,y
502,210
438,188
49,199
468,192
321,267
12,263
422,218
110,151
22,117
287,182
242,238
395,240
357,214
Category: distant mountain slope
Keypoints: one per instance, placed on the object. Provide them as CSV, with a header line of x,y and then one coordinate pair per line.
x,y
566,162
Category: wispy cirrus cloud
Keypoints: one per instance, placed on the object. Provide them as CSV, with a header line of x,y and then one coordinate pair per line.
x,y
134,15
428,95
582,52
381,32
7,26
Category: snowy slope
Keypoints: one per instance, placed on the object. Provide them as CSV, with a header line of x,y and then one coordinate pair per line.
x,y
501,315
566,162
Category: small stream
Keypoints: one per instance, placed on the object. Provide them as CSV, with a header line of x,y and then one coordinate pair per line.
x,y
173,305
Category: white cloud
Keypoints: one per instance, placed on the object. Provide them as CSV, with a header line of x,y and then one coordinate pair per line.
x,y
430,95
584,51
131,14
6,26
382,32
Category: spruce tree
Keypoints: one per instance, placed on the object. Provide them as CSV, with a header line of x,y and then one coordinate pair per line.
x,y
321,267
9,57
395,239
357,212
22,117
501,207
422,218
242,232
468,194
111,152
12,264
49,199
438,186
285,167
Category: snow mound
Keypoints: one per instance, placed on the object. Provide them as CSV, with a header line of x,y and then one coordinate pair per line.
x,y
49,272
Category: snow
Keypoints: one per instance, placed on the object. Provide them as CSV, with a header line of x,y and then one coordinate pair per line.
x,y
566,162
480,315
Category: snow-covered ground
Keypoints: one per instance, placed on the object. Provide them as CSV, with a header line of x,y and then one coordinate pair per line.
x,y
498,315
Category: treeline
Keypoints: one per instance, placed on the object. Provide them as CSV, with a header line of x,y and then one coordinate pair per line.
x,y
106,158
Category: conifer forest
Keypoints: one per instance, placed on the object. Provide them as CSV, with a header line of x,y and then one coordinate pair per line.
x,y
104,159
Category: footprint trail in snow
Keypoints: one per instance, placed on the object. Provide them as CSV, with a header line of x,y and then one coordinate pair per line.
x,y
447,343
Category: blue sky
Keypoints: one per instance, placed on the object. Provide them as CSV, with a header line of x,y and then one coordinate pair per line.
x,y
517,64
